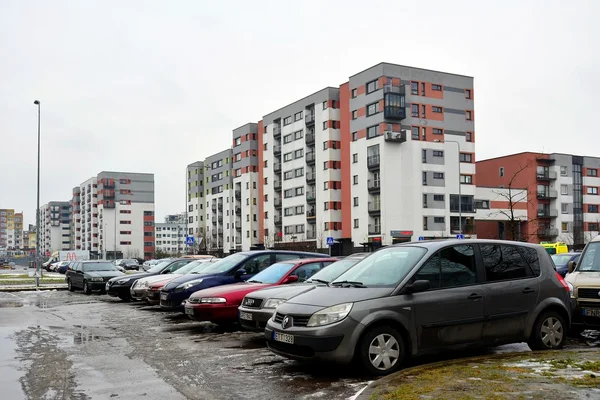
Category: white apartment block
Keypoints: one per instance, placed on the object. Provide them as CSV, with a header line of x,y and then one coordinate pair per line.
x,y
54,234
170,237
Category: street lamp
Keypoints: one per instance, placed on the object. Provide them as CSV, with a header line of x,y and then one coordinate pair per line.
x,y
459,184
37,214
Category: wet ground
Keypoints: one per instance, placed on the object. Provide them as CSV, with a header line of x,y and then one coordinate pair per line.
x,y
62,345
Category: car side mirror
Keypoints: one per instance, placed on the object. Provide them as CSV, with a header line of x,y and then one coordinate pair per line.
x,y
416,287
572,265
291,279
238,274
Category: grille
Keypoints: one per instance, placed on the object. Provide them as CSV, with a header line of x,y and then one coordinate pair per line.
x,y
252,303
299,320
588,293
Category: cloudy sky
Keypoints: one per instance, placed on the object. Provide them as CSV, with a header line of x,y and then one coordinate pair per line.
x,y
150,86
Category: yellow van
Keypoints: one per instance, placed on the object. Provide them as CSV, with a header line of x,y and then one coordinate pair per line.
x,y
555,248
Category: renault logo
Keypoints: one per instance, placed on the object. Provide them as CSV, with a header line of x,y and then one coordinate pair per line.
x,y
287,322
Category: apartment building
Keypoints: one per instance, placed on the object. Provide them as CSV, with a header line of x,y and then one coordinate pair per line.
x,y
171,234
219,211
195,200
54,233
29,238
114,215
11,230
553,197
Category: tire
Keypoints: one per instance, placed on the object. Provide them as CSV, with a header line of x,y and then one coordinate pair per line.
x,y
549,332
70,286
381,350
86,288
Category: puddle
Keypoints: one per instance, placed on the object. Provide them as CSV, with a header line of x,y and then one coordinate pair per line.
x,y
10,303
9,372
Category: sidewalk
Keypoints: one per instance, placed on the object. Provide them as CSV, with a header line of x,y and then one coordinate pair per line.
x,y
556,375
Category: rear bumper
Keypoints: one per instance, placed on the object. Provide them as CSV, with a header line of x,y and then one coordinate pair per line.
x,y
95,286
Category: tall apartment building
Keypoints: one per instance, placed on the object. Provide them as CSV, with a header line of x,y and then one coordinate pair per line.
x,y
11,230
114,214
195,200
218,216
54,233
171,234
539,197
375,161
29,238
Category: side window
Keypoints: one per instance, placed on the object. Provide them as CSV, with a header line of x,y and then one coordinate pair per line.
x,y
306,271
284,257
531,257
257,264
430,271
450,267
503,262
77,267
175,266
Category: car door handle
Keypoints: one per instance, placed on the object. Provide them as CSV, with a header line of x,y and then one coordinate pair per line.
x,y
528,290
474,296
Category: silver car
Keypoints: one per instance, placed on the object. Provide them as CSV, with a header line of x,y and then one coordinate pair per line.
x,y
411,299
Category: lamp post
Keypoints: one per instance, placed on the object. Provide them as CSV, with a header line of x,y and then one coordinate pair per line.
x,y
37,214
459,184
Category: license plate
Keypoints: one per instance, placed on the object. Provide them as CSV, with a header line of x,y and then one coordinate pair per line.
x,y
283,337
163,296
591,312
189,311
246,316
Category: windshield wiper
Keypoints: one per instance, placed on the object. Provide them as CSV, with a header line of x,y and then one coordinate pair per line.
x,y
349,283
317,280
253,281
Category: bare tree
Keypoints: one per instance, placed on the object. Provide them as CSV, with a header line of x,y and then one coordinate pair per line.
x,y
321,238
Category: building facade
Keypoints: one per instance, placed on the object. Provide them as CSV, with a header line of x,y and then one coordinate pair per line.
x,y
54,233
114,215
11,230
171,234
554,197
375,161
195,201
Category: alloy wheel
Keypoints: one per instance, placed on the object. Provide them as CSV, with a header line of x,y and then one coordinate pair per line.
x,y
384,351
552,332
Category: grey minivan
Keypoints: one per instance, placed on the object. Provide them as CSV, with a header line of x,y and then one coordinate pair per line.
x,y
415,298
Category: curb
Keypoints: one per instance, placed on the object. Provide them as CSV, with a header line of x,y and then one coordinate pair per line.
x,y
373,387
31,288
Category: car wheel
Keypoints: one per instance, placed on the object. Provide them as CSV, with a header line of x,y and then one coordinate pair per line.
x,y
70,286
381,350
549,332
86,288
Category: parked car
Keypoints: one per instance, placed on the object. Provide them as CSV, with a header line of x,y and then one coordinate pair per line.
x,y
583,280
140,287
90,275
129,264
410,299
146,265
258,307
64,266
121,287
561,261
234,268
220,304
153,292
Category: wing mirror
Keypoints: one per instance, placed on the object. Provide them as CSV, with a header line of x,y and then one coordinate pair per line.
x,y
572,265
238,274
291,279
416,287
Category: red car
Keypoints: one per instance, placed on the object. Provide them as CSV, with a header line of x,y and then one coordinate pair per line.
x,y
220,304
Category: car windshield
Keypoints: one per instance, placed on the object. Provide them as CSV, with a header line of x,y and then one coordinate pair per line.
x,y
590,260
561,259
385,268
100,266
202,266
332,271
159,267
225,264
188,267
272,274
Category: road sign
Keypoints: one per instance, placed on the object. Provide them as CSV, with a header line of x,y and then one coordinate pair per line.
x,y
189,240
330,241
421,238
460,236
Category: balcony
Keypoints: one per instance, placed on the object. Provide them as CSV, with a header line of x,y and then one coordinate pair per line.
x,y
220,231
278,220
311,217
546,176
400,89
310,157
309,118
549,194
548,213
374,208
220,219
547,232
277,167
277,185
238,240
373,162
238,211
374,229
238,194
220,206
277,149
311,234
311,197
277,202
373,185
310,138
214,208
276,130
310,177
238,227
391,136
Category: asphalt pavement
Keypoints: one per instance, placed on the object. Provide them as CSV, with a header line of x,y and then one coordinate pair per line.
x,y
62,345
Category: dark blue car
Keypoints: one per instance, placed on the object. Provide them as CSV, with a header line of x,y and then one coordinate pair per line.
x,y
237,267
562,260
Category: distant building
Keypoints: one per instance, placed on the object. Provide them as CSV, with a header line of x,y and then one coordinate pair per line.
x,y
171,234
54,234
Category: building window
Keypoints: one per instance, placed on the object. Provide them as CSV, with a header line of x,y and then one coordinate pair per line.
x,y
466,157
466,179
424,156
371,86
287,157
592,172
468,93
424,178
436,87
414,133
238,141
592,208
564,208
501,171
437,131
266,163
482,204
592,190
372,109
356,223
593,227
324,125
438,153
298,116
425,223
287,121
436,109
563,170
355,180
423,111
414,88
287,139
469,137
354,158
414,110
439,220
298,135
299,153
372,131
325,105
438,197
564,189
424,200
354,136
438,175
468,115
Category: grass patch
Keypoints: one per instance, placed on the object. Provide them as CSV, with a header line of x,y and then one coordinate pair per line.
x,y
30,281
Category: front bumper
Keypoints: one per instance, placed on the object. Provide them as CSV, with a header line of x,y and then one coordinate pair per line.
x,y
259,316
116,290
153,296
138,293
579,319
330,343
211,312
172,300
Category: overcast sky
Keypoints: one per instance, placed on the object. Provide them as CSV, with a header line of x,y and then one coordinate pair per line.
x,y
151,86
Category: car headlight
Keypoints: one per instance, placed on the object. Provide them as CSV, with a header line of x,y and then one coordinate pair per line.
x,y
213,300
122,281
273,303
187,285
96,279
330,315
571,289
